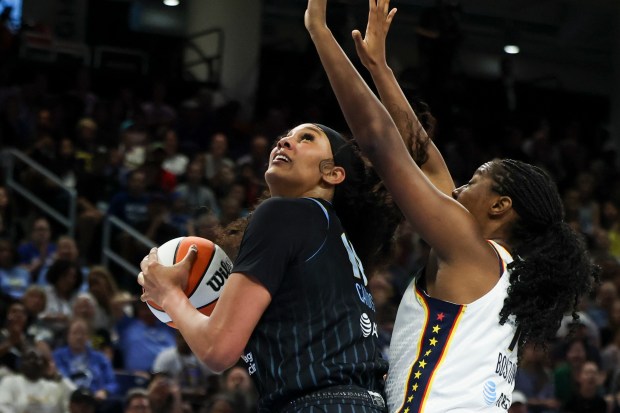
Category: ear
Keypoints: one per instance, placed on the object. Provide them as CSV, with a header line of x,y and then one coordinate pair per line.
x,y
334,175
501,205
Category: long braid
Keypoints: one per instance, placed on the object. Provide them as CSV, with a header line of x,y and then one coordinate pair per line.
x,y
552,268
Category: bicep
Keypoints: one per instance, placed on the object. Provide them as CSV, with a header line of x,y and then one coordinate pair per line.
x,y
441,221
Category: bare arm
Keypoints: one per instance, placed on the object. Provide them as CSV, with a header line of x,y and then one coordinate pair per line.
x,y
217,340
440,220
371,51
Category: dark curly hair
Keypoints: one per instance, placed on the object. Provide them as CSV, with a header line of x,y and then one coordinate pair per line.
x,y
59,268
552,269
367,212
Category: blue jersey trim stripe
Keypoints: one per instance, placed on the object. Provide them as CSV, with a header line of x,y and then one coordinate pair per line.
x,y
327,217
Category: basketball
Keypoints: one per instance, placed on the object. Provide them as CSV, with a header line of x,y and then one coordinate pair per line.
x,y
206,278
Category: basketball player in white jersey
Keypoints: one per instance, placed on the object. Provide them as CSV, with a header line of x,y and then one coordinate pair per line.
x,y
459,325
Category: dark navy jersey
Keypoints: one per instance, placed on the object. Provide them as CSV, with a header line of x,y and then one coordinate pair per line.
x,y
319,329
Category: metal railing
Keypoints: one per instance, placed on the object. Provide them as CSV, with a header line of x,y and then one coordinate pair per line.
x,y
108,254
12,156
209,54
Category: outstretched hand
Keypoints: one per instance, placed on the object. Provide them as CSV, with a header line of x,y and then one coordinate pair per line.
x,y
315,16
371,47
157,280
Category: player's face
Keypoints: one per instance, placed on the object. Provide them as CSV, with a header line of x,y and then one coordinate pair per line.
x,y
295,161
477,195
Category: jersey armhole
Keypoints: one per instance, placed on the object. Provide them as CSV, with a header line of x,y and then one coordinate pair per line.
x,y
327,229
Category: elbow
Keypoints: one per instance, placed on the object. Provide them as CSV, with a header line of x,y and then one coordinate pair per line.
x,y
218,358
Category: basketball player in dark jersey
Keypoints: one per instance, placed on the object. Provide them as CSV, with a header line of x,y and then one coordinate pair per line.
x,y
296,306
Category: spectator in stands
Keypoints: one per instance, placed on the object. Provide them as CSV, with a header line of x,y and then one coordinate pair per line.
x,y
66,249
84,366
174,161
217,156
165,394
587,398
158,227
601,308
535,381
31,391
137,401
205,224
222,181
258,158
13,337
141,338
194,191
566,374
610,219
223,403
84,308
182,365
39,250
158,179
102,286
35,301
14,279
86,143
156,111
133,145
131,205
589,208
238,384
82,401
64,280
231,209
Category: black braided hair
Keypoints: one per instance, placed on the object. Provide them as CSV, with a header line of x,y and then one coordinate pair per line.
x,y
552,269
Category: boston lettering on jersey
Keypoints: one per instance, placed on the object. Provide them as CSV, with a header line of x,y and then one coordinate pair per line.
x,y
506,368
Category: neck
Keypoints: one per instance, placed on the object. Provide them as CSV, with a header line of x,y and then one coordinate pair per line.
x,y
323,193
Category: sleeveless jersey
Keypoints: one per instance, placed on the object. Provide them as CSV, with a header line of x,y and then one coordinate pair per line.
x,y
446,357
319,329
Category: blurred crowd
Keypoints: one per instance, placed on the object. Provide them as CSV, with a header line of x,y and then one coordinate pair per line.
x,y
75,336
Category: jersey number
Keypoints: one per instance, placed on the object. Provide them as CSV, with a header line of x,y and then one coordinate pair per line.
x,y
358,268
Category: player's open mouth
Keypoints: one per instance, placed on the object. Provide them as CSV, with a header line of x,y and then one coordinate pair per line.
x,y
281,158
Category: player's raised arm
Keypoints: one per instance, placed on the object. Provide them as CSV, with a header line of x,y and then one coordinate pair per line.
x,y
371,49
442,222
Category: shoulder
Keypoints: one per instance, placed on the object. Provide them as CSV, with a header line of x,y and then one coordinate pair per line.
x,y
302,209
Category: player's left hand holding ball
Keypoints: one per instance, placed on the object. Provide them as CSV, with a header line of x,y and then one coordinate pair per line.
x,y
157,280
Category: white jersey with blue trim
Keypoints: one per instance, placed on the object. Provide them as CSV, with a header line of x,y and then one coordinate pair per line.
x,y
446,357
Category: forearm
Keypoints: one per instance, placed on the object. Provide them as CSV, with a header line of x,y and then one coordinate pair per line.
x,y
398,106
364,113
198,332
411,130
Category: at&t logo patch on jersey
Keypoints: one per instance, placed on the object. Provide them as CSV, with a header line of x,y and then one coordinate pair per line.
x,y
489,393
368,327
